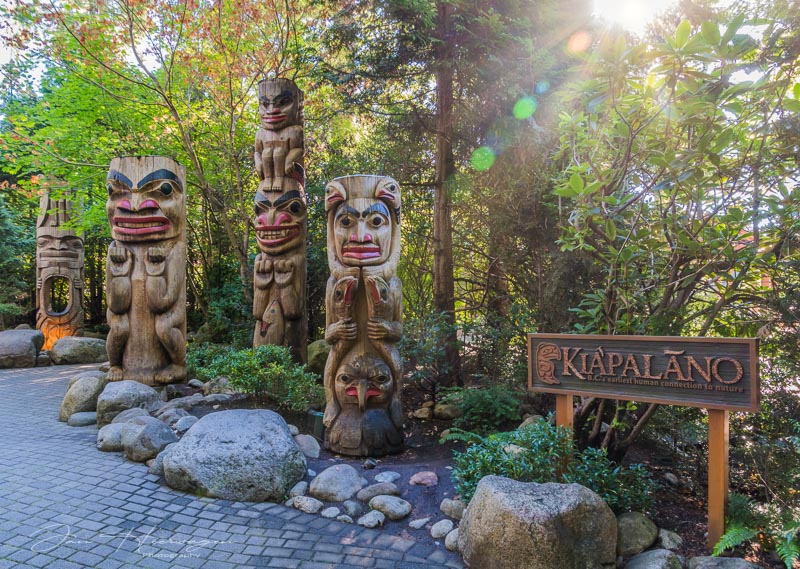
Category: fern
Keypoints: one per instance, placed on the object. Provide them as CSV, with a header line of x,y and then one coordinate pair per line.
x,y
456,434
787,544
735,536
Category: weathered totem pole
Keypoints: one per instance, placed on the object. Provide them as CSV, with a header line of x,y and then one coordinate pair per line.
x,y
59,273
363,304
146,270
279,295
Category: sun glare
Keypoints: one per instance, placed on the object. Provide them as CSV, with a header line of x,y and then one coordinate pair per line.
x,y
633,15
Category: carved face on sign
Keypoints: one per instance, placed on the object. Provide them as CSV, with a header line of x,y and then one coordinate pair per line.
x,y
145,205
365,223
364,380
280,103
280,221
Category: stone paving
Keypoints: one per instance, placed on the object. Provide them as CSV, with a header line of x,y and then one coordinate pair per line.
x,y
65,505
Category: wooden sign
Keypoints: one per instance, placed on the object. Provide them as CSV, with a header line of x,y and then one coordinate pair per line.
x,y
714,373
720,374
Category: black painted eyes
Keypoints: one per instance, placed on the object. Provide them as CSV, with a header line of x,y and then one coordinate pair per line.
x,y
345,222
110,189
376,221
165,189
294,207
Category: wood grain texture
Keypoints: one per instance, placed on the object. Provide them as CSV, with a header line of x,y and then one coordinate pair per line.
x,y
718,472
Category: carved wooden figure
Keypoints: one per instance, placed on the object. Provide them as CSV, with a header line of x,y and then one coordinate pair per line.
x,y
59,273
279,296
363,373
146,270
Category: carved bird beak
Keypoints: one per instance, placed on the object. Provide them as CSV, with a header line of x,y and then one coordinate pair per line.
x,y
362,394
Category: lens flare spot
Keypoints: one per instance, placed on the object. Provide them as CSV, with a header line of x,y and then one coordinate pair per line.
x,y
524,108
482,158
579,42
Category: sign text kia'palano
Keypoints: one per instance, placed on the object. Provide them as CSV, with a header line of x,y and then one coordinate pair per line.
x,y
715,373
719,374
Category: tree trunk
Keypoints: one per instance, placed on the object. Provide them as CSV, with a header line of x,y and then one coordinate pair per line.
x,y
443,285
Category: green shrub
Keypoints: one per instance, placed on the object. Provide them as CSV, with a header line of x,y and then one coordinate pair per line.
x,y
484,410
538,453
265,371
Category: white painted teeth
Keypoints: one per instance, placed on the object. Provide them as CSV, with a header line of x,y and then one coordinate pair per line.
x,y
127,225
270,235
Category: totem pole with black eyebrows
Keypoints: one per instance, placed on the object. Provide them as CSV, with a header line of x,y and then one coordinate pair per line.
x,y
59,265
363,304
146,270
279,296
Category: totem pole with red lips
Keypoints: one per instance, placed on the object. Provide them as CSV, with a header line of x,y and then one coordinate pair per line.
x,y
59,273
146,270
279,296
363,303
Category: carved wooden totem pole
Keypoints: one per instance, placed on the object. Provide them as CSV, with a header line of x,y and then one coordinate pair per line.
x,y
59,273
279,296
363,304
146,270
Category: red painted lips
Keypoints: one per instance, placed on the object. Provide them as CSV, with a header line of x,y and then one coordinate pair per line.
x,y
371,392
273,118
361,251
136,225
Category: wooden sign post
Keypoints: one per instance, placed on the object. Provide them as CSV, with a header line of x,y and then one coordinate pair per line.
x,y
718,374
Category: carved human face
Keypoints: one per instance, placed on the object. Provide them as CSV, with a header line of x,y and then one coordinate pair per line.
x,y
55,248
362,229
364,380
280,222
144,206
278,104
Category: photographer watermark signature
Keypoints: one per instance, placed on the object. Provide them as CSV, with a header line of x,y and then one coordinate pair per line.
x,y
149,542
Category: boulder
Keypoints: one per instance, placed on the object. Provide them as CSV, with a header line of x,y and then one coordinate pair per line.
x,y
145,437
294,431
196,383
387,476
83,419
217,385
317,356
530,420
185,403
331,513
82,394
308,445
171,416
392,507
380,489
308,504
157,466
451,540
184,424
118,396
337,483
43,359
424,478
655,559
635,533
299,489
240,454
77,350
719,563
441,528
129,414
669,540
19,348
453,508
373,519
549,525
178,390
109,438
352,508
446,411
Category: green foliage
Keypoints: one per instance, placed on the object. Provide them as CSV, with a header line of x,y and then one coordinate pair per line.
x,y
538,453
265,371
484,410
15,246
422,346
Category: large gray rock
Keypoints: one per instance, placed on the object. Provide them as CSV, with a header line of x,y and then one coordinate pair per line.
x,y
337,483
308,445
720,563
157,466
244,455
128,415
550,525
19,348
82,394
655,559
308,504
109,438
441,528
121,395
379,489
145,437
318,355
392,507
453,508
83,419
185,403
77,350
635,533
669,540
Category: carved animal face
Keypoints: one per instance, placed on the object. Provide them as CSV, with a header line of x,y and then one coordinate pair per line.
x,y
363,232
280,221
365,381
279,103
146,199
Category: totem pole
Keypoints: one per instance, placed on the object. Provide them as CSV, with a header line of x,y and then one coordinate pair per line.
x,y
279,295
59,273
146,270
363,304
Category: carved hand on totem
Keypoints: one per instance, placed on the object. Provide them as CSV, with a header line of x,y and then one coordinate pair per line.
x,y
121,261
284,272
263,272
155,261
379,329
344,329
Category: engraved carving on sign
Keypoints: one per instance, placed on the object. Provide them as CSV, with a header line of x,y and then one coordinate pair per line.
x,y
146,270
363,373
545,354
279,294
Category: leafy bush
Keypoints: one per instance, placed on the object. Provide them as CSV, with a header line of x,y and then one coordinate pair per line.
x,y
265,371
539,453
423,346
484,410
